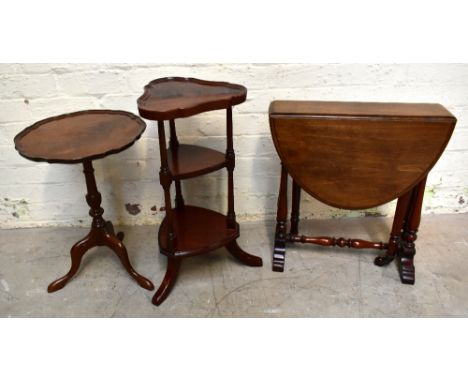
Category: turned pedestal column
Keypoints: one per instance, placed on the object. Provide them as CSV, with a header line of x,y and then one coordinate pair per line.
x,y
81,138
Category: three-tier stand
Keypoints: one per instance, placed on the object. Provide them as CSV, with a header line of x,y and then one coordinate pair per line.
x,y
189,230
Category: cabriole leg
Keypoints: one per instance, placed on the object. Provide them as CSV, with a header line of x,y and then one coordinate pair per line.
x,y
101,233
173,266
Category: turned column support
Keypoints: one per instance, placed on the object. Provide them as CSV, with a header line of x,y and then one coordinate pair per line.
x,y
101,233
408,248
296,200
174,145
165,179
230,164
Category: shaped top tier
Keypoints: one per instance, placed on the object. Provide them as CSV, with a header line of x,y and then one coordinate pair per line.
x,y
80,136
177,97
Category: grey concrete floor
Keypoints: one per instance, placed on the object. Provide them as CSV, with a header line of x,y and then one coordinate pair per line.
x,y
317,282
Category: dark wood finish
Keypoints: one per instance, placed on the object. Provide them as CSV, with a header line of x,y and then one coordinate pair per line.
x,y
394,242
244,257
101,233
198,230
365,154
177,97
80,136
230,164
408,248
296,200
165,178
378,110
174,146
172,271
341,242
358,155
182,165
279,251
189,230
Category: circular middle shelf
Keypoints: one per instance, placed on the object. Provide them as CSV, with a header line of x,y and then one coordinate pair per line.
x,y
188,161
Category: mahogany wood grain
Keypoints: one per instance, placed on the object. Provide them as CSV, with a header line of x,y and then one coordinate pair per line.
x,y
101,234
408,248
339,242
182,163
358,155
295,204
197,230
79,138
379,110
75,137
174,146
165,178
177,97
188,230
170,277
244,257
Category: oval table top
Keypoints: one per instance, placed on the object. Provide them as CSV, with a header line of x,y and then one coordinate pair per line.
x,y
357,155
80,136
178,97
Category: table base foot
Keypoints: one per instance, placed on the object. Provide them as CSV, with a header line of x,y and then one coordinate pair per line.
x,y
100,236
173,266
242,256
382,261
279,256
406,267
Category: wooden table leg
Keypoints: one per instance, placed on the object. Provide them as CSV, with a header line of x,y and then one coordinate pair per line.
x,y
242,256
395,236
173,266
408,249
233,248
174,144
101,233
296,201
279,252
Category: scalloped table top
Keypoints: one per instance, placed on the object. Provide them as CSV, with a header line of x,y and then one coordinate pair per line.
x,y
80,136
177,97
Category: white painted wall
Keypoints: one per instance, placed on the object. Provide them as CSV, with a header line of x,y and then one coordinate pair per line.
x,y
40,194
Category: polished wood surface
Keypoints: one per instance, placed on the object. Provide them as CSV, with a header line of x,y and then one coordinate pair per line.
x,y
189,230
101,234
182,164
379,110
197,230
75,137
357,158
177,97
356,155
81,137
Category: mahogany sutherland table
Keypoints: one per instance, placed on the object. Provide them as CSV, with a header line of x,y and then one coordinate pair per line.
x,y
354,155
80,138
188,230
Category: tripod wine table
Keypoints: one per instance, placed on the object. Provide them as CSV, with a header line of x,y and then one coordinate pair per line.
x,y
189,230
81,138
356,155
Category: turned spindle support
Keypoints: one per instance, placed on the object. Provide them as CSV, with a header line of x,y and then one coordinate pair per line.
x,y
101,234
